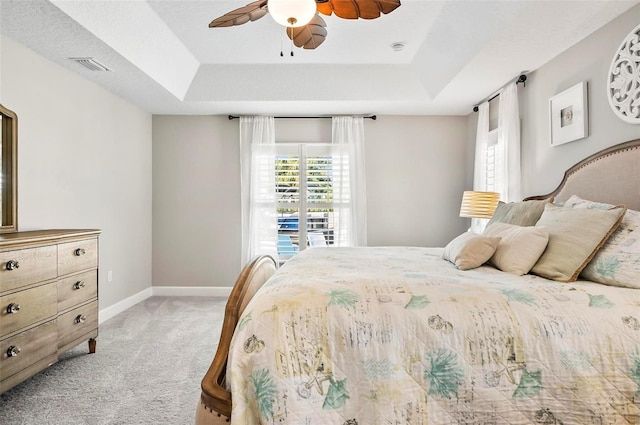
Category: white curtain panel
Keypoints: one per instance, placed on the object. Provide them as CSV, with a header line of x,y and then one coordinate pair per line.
x,y
480,165
482,143
508,167
349,186
257,181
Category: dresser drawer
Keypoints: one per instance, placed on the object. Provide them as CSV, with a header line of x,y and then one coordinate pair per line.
x,y
21,309
25,266
77,256
77,289
76,323
27,348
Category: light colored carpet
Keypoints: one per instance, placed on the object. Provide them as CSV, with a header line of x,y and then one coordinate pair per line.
x,y
146,370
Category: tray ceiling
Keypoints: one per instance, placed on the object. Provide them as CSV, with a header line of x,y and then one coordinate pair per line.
x,y
164,58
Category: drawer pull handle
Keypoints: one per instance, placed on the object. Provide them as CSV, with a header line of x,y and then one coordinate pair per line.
x,y
13,308
12,265
80,251
78,285
80,319
13,351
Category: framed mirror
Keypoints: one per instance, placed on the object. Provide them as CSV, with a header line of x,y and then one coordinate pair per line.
x,y
8,170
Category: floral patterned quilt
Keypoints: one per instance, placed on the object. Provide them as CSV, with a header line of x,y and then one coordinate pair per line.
x,y
399,336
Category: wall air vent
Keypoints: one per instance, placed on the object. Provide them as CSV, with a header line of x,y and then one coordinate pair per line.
x,y
91,64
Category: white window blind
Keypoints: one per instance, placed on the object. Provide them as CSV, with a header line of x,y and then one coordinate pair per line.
x,y
490,174
304,196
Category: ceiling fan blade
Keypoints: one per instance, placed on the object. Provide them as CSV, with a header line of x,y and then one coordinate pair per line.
x,y
251,12
309,36
354,9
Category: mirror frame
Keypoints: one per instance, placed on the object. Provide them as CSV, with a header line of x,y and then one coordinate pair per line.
x,y
9,171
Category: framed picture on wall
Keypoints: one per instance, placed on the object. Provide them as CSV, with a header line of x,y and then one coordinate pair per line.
x,y
568,115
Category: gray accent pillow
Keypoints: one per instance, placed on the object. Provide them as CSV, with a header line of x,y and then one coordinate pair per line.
x,y
524,213
575,235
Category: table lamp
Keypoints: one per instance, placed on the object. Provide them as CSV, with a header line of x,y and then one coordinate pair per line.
x,y
477,204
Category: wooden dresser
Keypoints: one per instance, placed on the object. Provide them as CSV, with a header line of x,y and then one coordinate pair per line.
x,y
48,299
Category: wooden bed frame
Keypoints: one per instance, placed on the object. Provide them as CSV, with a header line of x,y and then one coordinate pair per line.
x,y
611,175
215,400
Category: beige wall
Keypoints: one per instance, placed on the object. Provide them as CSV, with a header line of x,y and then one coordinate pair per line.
x,y
84,162
196,201
416,168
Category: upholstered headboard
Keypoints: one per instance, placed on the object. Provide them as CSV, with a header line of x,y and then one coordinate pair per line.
x,y
611,176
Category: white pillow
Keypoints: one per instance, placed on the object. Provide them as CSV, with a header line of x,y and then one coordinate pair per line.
x,y
470,250
577,202
520,247
617,263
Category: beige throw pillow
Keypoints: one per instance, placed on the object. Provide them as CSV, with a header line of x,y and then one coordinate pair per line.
x,y
575,235
524,213
520,247
470,250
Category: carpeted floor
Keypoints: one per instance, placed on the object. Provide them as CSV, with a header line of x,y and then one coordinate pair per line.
x,y
146,370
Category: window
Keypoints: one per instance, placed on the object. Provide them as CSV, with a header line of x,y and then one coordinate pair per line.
x,y
497,161
319,199
304,197
490,172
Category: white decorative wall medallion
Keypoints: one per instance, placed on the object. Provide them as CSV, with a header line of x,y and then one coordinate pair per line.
x,y
623,80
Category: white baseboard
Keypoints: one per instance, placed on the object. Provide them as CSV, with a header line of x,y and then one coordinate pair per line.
x,y
162,291
117,308
191,291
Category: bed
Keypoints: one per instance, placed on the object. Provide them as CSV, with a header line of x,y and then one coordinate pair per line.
x,y
400,335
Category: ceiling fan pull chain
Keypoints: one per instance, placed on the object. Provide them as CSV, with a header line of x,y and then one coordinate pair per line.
x,y
291,38
290,34
281,49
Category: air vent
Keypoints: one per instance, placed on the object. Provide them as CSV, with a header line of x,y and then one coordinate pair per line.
x,y
91,64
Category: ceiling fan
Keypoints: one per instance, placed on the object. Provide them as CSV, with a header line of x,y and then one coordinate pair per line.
x,y
305,27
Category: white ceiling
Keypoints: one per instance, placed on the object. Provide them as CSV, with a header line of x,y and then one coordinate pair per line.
x,y
165,59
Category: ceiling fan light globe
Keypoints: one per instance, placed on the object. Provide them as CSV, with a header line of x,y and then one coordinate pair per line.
x,y
292,13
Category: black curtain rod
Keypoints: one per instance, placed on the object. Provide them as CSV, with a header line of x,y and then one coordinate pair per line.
x,y
370,117
521,79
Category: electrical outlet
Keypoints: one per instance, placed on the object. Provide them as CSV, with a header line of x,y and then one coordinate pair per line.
x,y
109,276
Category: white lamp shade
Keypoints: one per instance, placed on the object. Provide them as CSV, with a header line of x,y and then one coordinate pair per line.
x,y
479,204
292,13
